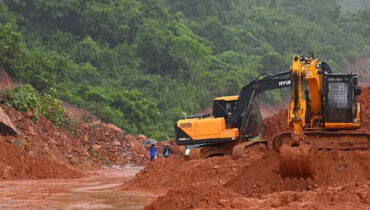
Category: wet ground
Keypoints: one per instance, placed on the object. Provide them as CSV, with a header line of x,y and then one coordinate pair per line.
x,y
100,190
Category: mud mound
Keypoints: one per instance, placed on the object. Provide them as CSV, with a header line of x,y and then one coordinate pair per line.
x,y
275,125
331,168
342,181
92,144
15,164
195,196
177,173
349,196
365,109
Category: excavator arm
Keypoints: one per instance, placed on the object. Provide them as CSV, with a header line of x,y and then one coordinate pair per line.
x,y
243,109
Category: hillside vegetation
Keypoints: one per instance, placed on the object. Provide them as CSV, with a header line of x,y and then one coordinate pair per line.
x,y
141,64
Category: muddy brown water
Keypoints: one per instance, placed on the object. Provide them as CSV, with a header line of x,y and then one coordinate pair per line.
x,y
99,190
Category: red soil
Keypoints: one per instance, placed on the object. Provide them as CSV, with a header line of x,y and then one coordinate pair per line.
x,y
16,164
42,150
172,173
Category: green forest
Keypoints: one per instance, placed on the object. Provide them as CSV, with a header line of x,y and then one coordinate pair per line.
x,y
141,64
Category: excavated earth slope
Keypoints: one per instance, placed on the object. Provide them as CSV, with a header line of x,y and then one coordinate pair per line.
x,y
342,178
41,150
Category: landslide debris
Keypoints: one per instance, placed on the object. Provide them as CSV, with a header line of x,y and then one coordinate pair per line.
x,y
17,164
42,150
342,178
348,196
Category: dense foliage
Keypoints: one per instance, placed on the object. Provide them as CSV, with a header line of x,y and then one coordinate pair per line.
x,y
25,98
141,64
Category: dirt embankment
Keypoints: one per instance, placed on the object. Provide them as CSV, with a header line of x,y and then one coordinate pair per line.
x,y
341,180
17,164
365,109
174,173
41,150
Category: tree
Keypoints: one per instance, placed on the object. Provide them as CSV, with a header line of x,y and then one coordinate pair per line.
x,y
191,54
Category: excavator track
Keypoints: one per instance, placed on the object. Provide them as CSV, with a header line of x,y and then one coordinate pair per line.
x,y
207,151
243,147
233,149
295,162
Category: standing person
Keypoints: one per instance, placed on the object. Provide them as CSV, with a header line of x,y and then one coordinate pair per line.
x,y
153,152
166,151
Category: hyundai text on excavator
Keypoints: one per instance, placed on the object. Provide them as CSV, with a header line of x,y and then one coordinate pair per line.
x,y
323,108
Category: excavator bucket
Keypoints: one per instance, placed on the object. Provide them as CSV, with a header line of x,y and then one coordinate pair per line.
x,y
296,161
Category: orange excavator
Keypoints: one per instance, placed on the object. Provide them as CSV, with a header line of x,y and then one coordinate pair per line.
x,y
234,125
324,107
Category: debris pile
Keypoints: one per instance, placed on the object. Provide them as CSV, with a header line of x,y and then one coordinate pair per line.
x,y
39,144
17,164
175,173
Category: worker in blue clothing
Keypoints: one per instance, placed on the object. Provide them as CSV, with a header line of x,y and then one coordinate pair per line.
x,y
153,152
166,151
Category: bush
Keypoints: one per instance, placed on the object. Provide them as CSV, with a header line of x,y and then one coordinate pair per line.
x,y
24,98
52,109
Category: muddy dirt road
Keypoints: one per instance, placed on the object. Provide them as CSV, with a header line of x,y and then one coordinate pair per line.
x,y
99,190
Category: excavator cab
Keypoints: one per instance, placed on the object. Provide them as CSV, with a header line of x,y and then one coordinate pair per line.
x,y
251,123
224,106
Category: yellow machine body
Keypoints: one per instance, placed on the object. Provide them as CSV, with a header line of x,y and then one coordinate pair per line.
x,y
309,78
208,129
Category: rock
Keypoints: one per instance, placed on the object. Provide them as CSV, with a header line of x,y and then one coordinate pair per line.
x,y
74,160
96,147
56,133
67,155
31,130
86,138
6,125
17,141
29,113
141,137
64,137
96,122
113,127
85,125
117,143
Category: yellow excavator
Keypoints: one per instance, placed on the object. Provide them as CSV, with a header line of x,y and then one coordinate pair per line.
x,y
323,110
324,106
